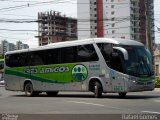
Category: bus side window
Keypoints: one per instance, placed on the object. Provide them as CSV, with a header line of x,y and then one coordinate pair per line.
x,y
68,54
36,58
116,61
16,60
8,59
53,56
23,61
86,53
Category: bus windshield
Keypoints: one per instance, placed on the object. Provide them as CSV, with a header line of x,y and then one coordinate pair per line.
x,y
139,61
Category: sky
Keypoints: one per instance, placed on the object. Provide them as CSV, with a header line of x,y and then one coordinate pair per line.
x,y
20,9
28,10
157,20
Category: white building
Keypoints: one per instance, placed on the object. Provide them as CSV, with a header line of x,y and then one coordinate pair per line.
x,y
128,19
20,45
11,47
117,22
84,16
5,46
24,46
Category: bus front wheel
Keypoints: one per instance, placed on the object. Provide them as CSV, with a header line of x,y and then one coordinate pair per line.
x,y
97,90
29,90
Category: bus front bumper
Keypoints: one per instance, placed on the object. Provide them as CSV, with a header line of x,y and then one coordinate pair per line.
x,y
135,86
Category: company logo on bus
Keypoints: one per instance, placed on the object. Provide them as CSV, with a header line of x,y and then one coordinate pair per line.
x,y
79,72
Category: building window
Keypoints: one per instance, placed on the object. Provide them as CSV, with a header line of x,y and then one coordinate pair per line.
x,y
112,0
113,31
112,12
113,25
95,9
112,19
112,6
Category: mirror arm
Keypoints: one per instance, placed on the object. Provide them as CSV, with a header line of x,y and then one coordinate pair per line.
x,y
124,51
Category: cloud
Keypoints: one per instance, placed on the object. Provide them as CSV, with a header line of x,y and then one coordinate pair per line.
x,y
32,42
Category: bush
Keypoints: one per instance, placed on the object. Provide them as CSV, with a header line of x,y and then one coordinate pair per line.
x,y
157,82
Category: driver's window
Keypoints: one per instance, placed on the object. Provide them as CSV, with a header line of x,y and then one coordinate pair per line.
x,y
113,57
106,50
117,61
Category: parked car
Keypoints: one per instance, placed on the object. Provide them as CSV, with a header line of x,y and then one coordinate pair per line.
x,y
2,83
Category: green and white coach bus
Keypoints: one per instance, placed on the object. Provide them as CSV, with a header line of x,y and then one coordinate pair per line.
x,y
99,65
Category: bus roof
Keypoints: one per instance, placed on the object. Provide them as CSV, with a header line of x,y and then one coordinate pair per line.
x,y
117,41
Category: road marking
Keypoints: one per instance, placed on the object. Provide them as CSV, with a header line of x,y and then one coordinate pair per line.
x,y
78,102
87,103
156,100
151,112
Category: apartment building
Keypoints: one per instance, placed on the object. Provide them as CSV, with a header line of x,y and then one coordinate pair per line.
x,y
20,45
6,46
157,59
54,27
127,19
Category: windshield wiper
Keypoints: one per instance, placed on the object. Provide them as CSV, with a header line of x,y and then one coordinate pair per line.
x,y
145,66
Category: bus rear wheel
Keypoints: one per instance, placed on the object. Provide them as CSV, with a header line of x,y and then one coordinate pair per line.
x,y
52,93
29,90
97,90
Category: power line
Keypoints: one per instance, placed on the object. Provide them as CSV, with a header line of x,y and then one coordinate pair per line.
x,y
18,30
32,5
17,15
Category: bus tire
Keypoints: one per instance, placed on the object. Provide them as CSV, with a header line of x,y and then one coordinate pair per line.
x,y
97,90
52,93
122,94
29,90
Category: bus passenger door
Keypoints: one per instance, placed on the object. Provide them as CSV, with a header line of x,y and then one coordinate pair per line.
x,y
118,83
117,70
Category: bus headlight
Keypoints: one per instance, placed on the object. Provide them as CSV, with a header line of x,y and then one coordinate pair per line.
x,y
134,81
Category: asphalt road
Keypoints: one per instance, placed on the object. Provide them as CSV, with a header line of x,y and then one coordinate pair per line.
x,y
80,103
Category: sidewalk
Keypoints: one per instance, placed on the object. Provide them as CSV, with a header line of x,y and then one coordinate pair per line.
x,y
157,89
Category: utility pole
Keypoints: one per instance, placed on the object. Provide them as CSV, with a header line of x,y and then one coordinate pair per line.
x,y
149,39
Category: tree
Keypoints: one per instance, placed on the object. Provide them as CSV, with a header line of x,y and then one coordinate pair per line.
x,y
1,56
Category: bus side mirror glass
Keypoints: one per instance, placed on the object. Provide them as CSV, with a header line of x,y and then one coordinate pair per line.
x,y
115,54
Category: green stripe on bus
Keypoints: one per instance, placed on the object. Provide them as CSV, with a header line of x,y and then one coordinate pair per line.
x,y
20,74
